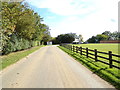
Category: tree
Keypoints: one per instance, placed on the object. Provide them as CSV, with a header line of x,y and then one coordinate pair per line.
x,y
54,40
80,37
65,38
93,39
112,36
100,37
46,35
22,23
115,36
108,33
97,38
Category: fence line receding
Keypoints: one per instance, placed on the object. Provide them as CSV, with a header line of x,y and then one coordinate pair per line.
x,y
96,55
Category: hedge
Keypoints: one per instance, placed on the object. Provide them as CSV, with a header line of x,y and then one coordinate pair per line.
x,y
16,43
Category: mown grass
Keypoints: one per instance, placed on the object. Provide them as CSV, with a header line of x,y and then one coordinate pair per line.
x,y
101,47
112,75
12,58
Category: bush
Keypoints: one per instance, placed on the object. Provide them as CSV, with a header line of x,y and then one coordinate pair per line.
x,y
16,43
9,47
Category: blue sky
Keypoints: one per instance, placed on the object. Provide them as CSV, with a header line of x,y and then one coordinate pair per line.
x,y
86,17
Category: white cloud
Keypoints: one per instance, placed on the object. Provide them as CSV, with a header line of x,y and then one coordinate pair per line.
x,y
91,25
86,17
65,7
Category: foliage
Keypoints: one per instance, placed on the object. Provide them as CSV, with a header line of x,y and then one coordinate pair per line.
x,y
55,41
21,27
64,38
46,36
80,37
100,37
93,39
15,43
115,35
107,35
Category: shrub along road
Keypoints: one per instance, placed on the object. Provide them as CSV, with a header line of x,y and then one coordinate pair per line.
x,y
50,67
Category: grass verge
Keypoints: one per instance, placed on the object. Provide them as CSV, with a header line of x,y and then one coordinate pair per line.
x,y
12,58
102,48
112,75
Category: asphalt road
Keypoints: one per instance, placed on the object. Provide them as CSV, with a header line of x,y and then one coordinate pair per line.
x,y
50,67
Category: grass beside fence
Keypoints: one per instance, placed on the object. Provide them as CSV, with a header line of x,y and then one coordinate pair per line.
x,y
101,47
12,58
109,74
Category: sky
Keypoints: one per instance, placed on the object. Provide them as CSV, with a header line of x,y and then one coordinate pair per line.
x,y
85,17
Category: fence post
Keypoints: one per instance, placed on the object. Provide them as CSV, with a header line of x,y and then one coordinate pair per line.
x,y
81,50
110,59
76,49
96,55
73,48
87,52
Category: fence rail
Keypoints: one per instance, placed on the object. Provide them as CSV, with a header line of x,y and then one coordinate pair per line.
x,y
94,54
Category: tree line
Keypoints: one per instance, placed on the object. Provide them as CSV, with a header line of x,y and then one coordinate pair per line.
x,y
107,35
21,27
70,37
67,38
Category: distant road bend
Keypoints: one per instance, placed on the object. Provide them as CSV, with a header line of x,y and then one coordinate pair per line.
x,y
50,67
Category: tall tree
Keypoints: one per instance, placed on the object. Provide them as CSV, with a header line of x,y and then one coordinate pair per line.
x,y
115,35
93,39
80,38
46,34
20,24
108,33
112,36
65,38
100,37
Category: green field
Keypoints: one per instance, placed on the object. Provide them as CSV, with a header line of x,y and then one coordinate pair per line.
x,y
101,47
109,74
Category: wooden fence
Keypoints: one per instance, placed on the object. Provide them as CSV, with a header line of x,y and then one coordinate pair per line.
x,y
89,53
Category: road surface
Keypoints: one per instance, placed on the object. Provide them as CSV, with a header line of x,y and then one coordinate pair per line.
x,y
50,67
